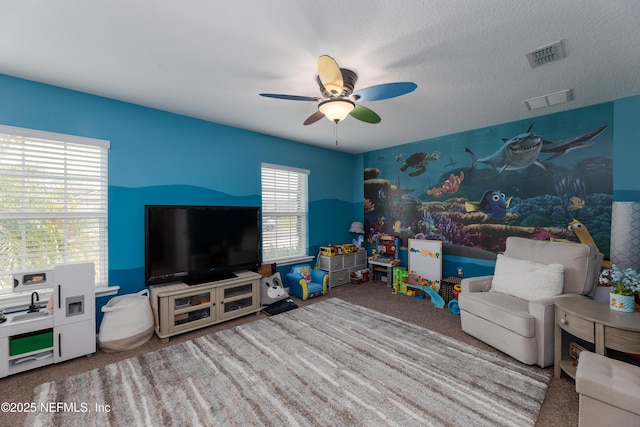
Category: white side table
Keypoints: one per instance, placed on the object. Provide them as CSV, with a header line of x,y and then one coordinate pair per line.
x,y
389,267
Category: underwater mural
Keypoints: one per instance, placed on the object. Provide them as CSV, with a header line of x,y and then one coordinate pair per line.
x,y
547,178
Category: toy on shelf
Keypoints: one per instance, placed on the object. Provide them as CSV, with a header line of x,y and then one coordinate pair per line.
x,y
387,246
347,248
333,250
386,249
357,228
358,241
328,250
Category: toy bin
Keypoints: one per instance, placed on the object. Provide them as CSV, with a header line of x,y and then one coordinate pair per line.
x,y
127,323
447,288
31,341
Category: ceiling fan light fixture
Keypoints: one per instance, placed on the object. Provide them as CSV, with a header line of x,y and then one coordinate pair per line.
x,y
336,109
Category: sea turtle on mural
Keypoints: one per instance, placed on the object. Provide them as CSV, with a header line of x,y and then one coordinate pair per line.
x,y
419,161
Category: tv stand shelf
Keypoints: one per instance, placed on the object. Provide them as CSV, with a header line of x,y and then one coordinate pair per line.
x,y
179,308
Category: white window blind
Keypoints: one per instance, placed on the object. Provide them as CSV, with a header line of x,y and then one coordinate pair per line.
x,y
53,202
284,213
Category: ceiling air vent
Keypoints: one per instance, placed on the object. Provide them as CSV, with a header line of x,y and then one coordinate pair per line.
x,y
548,100
546,54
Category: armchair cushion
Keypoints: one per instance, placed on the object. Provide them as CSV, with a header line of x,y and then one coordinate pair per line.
x,y
581,262
527,279
502,309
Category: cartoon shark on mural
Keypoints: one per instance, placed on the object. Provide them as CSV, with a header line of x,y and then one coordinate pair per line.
x,y
516,153
558,148
493,204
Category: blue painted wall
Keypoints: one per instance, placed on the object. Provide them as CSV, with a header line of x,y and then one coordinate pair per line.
x,y
162,158
159,157
626,137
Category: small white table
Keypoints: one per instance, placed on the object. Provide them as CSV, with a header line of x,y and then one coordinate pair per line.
x,y
379,263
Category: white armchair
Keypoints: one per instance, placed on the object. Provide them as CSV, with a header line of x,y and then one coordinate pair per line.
x,y
513,310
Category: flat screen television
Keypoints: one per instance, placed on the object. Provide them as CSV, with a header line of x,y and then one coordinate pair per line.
x,y
196,244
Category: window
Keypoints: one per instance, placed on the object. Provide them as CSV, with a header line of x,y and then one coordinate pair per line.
x,y
53,202
284,213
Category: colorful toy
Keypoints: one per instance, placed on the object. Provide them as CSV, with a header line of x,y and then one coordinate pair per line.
x,y
360,276
453,306
399,277
333,250
347,248
328,250
436,299
358,241
411,284
414,278
456,290
386,249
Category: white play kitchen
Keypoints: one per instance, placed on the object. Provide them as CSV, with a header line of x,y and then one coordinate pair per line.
x,y
64,330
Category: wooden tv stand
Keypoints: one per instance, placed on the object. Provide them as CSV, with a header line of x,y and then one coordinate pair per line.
x,y
179,308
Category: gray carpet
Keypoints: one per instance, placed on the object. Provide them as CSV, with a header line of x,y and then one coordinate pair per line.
x,y
328,363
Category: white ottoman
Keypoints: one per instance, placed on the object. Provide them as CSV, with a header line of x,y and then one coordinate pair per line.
x,y
609,391
127,322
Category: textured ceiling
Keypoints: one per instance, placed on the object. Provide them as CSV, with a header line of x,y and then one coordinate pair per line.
x,y
211,59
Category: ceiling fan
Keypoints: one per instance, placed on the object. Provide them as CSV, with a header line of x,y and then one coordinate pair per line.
x,y
338,98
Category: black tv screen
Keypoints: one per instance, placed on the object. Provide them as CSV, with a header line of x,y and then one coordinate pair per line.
x,y
196,244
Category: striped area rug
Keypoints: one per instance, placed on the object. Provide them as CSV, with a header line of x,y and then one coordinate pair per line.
x,y
331,363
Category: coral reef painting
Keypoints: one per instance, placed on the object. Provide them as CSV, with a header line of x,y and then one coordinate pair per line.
x,y
548,178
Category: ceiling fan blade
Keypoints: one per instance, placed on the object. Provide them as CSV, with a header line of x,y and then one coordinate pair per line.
x,y
314,118
330,75
290,97
365,114
384,91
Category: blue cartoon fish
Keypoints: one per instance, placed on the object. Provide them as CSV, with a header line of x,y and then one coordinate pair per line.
x,y
493,204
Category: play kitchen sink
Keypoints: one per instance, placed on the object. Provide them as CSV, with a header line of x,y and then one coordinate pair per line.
x,y
34,338
27,316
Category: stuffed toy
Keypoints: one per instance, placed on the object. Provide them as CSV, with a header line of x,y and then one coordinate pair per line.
x,y
272,290
306,273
